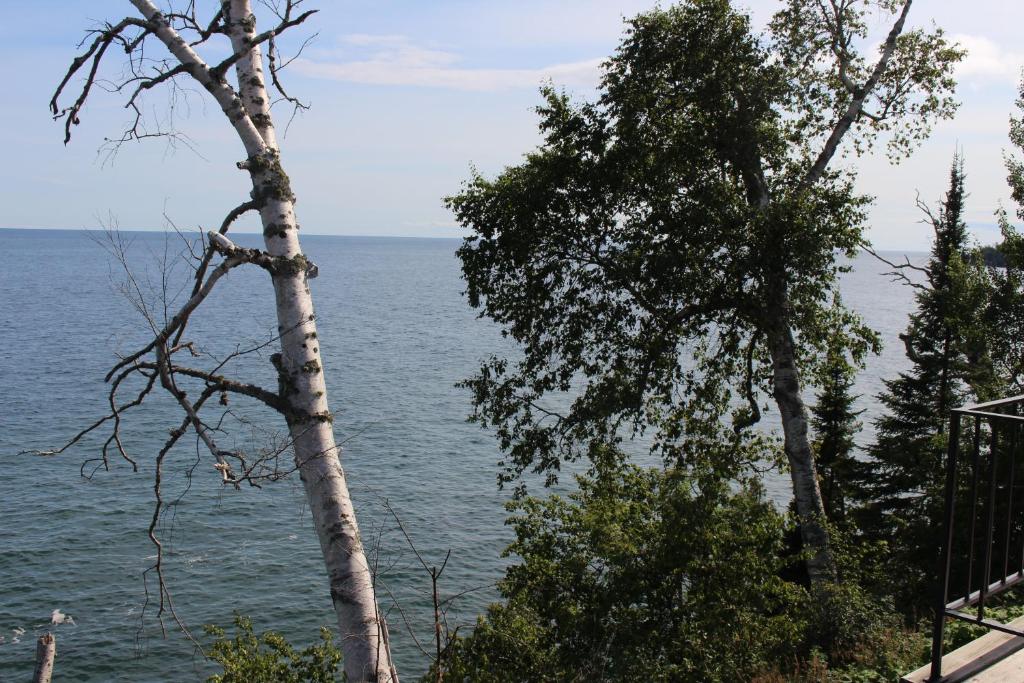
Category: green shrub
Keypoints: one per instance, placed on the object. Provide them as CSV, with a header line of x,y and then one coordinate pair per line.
x,y
269,658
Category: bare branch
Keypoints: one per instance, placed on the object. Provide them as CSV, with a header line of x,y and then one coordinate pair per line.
x,y
163,593
149,83
167,381
435,576
204,263
182,316
273,57
287,22
115,415
95,52
897,267
221,383
272,264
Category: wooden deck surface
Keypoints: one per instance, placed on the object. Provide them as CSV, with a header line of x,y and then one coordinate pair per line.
x,y
995,657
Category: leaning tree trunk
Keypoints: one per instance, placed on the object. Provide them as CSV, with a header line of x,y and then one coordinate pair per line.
x,y
299,365
785,377
810,507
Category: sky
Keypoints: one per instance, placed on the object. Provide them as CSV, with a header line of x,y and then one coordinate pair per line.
x,y
407,96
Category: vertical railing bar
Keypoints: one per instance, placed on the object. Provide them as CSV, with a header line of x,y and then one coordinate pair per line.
x,y
973,520
1009,503
990,525
1014,445
947,547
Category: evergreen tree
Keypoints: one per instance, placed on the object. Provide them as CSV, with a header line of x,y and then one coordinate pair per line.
x,y
835,424
903,481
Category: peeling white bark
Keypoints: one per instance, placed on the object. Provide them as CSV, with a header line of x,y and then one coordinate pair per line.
x,y
810,507
46,652
300,366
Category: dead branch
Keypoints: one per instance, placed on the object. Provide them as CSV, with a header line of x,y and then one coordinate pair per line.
x,y
238,257
276,66
204,262
895,274
165,602
146,74
223,384
435,576
95,53
168,383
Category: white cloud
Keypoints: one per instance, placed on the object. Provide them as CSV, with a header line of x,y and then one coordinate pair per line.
x,y
395,60
987,60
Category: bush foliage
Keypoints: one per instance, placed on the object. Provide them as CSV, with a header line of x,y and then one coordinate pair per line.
x,y
269,658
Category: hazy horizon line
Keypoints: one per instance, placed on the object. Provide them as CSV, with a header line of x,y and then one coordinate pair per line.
x,y
914,250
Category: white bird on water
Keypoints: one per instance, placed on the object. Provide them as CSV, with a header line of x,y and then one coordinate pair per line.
x,y
58,617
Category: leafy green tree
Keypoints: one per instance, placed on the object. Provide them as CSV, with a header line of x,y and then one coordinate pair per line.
x,y
946,344
1006,306
664,575
1014,166
672,246
269,658
642,574
1005,311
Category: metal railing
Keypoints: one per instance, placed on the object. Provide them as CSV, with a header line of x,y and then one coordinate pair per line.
x,y
988,535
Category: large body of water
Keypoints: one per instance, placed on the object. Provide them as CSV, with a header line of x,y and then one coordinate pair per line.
x,y
396,337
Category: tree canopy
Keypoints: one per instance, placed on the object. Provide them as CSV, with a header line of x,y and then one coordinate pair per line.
x,y
946,344
669,253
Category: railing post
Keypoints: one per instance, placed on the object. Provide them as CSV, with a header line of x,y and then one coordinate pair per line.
x,y
973,519
991,517
1009,501
947,546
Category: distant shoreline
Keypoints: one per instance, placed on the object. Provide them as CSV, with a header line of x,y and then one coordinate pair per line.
x,y
316,235
142,231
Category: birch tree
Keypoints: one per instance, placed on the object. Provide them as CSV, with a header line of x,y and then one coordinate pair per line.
x,y
693,211
161,49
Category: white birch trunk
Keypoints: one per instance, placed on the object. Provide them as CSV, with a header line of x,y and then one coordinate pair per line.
x,y
300,368
810,507
46,652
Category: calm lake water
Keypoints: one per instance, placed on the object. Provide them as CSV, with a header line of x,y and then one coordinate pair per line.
x,y
397,336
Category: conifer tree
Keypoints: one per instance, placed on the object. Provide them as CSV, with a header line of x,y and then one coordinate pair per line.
x,y
903,480
835,424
